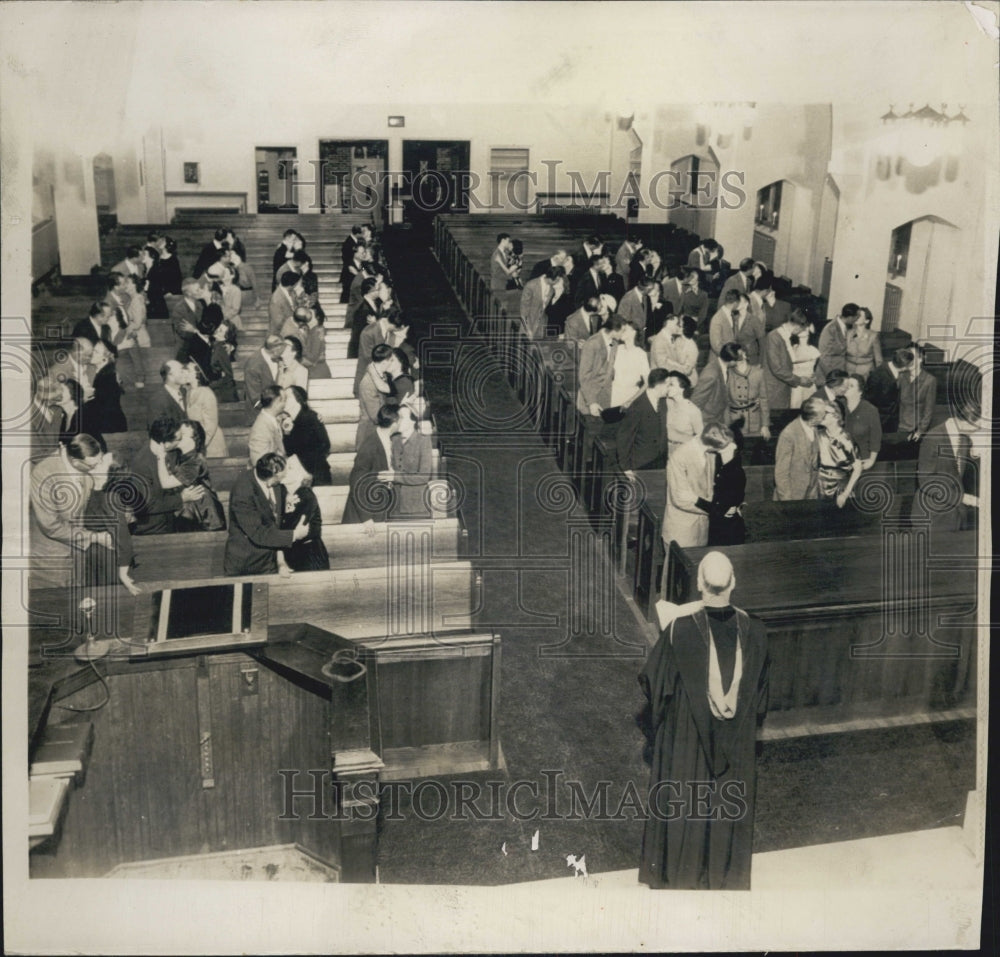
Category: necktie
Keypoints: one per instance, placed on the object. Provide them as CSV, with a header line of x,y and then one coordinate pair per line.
x,y
273,502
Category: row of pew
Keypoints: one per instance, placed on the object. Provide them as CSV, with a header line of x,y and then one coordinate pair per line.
x,y
864,576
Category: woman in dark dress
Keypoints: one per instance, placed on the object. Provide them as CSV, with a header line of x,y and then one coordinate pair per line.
x,y
164,279
73,425
725,520
403,384
103,413
306,436
186,467
108,510
309,554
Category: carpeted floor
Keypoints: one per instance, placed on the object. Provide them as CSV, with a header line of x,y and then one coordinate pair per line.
x,y
568,688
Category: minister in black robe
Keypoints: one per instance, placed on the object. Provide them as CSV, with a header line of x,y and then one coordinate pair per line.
x,y
706,844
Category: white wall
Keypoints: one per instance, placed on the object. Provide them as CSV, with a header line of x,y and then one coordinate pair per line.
x,y
871,208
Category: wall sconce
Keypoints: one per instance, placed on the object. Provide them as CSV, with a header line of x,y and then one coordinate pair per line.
x,y
397,121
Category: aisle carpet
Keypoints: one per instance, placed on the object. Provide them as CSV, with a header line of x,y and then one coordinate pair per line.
x,y
568,688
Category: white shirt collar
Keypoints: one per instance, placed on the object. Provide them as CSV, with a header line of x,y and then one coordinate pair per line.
x,y
268,492
809,430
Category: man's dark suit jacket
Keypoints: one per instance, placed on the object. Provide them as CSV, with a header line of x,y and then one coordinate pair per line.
x,y
181,312
254,531
882,390
208,256
614,285
588,287
347,250
642,436
84,329
159,402
937,467
154,513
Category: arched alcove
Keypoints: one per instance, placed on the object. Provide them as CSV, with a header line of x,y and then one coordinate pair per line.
x,y
695,181
921,265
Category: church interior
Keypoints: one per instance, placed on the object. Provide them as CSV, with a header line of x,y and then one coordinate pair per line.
x,y
447,702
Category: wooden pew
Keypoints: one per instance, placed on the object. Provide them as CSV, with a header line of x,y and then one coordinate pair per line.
x,y
201,554
849,641
883,494
342,436
374,602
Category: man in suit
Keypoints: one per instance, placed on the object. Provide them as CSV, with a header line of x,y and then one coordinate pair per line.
x,y
833,390
261,370
211,252
711,392
390,329
743,279
593,282
558,258
623,257
74,363
131,265
734,323
156,506
99,324
349,245
833,340
591,246
779,374
61,486
642,434
594,378
169,400
883,388
633,305
185,313
265,433
282,304
256,505
948,472
585,322
536,297
46,415
691,486
917,396
796,470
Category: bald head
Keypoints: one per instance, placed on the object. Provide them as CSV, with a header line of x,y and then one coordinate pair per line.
x,y
715,578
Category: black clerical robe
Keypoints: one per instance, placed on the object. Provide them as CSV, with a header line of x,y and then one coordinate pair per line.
x,y
699,830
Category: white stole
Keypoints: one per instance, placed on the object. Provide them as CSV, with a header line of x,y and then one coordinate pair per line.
x,y
723,705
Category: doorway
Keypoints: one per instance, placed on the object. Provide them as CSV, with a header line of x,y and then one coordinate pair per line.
x,y
437,173
354,176
276,171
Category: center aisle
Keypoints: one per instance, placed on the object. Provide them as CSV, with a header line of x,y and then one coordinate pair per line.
x,y
568,683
